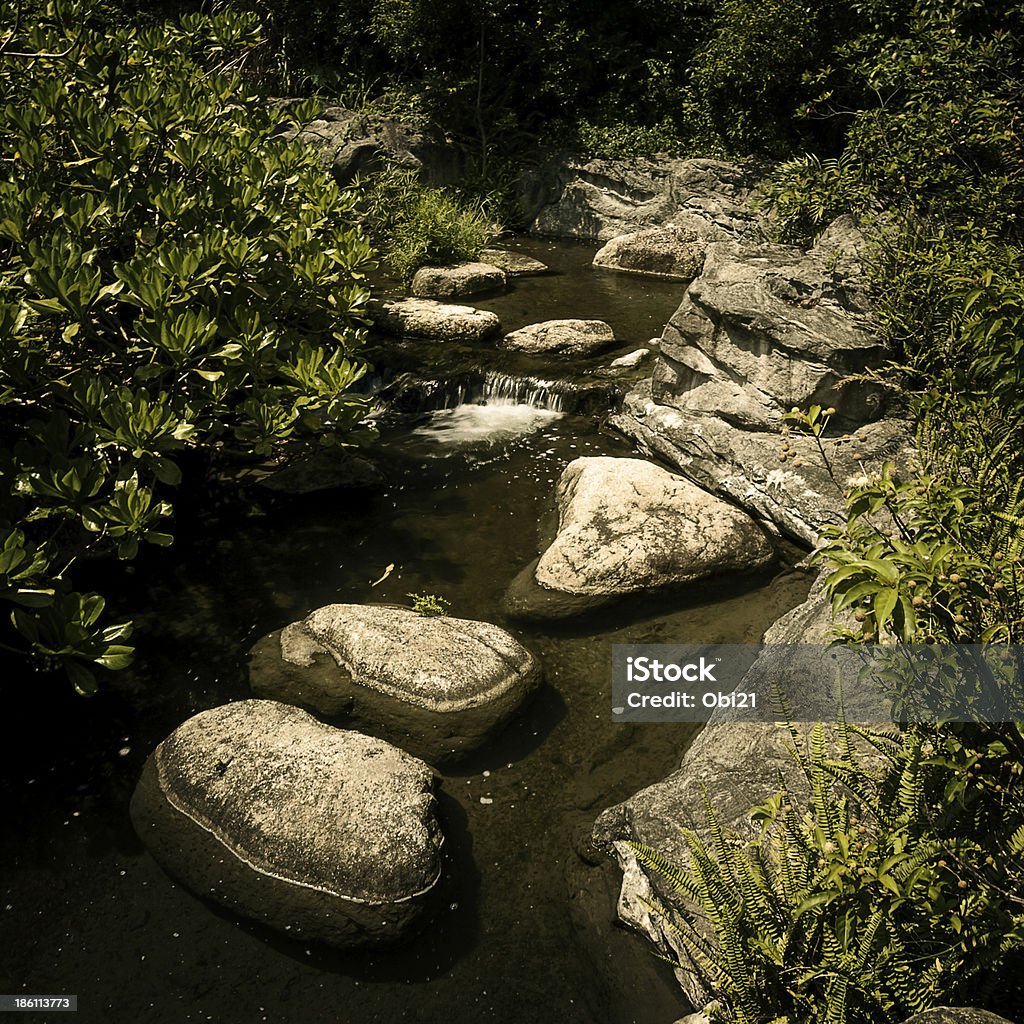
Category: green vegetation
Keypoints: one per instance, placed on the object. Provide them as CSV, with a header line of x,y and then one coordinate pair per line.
x,y
181,292
893,886
429,604
413,225
180,289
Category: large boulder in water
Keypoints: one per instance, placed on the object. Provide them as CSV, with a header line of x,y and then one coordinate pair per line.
x,y
627,526
439,686
456,280
656,252
435,321
561,337
316,832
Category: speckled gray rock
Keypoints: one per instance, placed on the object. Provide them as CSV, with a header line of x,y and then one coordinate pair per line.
x,y
457,280
561,337
956,1015
515,264
316,832
436,321
627,526
656,252
438,686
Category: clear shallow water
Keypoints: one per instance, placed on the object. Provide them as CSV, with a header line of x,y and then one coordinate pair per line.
x,y
528,935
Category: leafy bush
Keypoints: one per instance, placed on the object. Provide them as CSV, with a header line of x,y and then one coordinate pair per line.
x,y
887,890
414,225
179,285
933,124
623,141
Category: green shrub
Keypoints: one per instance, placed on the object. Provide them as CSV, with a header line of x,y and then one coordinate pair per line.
x,y
414,225
179,286
933,128
885,891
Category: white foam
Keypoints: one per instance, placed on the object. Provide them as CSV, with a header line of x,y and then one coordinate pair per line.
x,y
495,421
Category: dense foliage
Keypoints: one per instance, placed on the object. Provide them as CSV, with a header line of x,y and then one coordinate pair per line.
x,y
887,882
412,224
178,285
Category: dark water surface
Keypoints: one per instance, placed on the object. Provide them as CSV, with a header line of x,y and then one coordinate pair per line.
x,y
528,935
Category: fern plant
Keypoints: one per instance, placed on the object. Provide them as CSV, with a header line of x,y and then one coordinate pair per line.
x,y
881,893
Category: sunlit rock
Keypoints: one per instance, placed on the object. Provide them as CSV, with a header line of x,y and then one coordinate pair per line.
x,y
438,686
457,280
561,337
435,321
627,526
316,832
656,252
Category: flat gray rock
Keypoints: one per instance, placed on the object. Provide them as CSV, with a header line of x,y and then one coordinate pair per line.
x,y
627,526
631,360
561,337
438,686
435,321
515,264
316,832
457,280
656,252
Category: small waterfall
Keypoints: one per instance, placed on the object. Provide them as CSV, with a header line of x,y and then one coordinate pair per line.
x,y
410,393
507,389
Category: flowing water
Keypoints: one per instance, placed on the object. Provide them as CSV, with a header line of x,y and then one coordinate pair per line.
x,y
528,935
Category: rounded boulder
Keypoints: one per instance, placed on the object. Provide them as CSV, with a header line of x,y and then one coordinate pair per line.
x,y
439,686
627,526
319,833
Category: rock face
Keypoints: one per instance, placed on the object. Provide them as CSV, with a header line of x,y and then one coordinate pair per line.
x,y
561,337
457,280
436,321
319,833
352,143
767,328
797,496
515,264
626,526
438,686
763,329
605,198
739,765
956,1015
656,252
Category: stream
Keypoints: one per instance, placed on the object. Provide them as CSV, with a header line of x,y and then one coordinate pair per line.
x,y
529,933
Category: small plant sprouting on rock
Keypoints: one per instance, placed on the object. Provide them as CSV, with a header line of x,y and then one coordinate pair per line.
x,y
429,604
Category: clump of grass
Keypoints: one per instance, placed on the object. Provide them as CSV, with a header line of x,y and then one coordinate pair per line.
x,y
414,225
